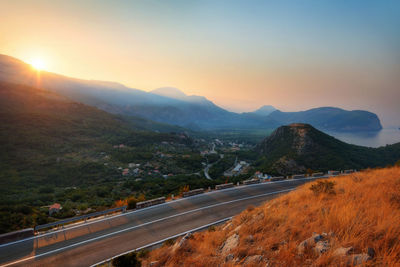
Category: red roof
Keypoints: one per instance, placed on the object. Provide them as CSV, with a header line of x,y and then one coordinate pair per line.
x,y
56,206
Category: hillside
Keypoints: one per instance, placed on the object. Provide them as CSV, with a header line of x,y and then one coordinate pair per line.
x,y
57,150
298,147
345,221
171,106
330,118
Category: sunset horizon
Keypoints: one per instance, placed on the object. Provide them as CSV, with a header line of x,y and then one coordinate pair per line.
x,y
241,57
164,133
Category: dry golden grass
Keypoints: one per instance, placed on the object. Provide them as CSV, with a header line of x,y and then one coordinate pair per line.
x,y
363,211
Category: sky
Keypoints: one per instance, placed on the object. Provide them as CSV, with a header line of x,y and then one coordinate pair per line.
x,y
240,54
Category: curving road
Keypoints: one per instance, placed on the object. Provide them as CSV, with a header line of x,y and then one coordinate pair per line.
x,y
89,243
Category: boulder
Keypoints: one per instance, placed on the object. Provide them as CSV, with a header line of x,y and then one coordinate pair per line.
x,y
255,259
309,243
182,242
231,243
229,257
321,247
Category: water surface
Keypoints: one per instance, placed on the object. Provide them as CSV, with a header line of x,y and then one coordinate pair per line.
x,y
371,139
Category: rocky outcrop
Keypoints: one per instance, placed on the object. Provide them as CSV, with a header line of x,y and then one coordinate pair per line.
x,y
231,243
321,243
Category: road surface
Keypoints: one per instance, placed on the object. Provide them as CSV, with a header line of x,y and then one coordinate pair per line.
x,y
89,243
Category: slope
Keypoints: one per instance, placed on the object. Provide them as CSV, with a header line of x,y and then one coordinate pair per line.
x,y
298,147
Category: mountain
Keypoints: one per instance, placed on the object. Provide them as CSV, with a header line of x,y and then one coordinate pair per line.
x,y
177,94
330,118
265,110
171,106
43,134
297,147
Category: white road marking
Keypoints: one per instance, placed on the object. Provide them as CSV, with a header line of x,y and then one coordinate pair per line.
x,y
144,224
163,240
84,224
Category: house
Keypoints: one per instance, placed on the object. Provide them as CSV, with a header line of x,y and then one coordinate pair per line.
x,y
55,208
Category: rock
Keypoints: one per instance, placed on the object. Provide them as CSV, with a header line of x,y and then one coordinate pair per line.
x,y
153,263
230,243
321,247
357,259
237,228
249,239
371,252
341,252
309,243
182,242
227,225
229,257
253,259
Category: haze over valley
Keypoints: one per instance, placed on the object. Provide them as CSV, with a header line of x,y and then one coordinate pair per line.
x,y
199,133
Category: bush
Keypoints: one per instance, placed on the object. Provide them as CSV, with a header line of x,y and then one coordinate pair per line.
x,y
127,260
323,187
132,202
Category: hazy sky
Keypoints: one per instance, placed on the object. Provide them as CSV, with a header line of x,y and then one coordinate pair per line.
x,y
294,55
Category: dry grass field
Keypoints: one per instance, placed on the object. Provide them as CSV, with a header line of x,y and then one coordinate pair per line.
x,y
361,211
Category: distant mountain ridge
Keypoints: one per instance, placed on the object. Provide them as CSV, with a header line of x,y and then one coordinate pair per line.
x,y
171,106
297,147
331,118
265,110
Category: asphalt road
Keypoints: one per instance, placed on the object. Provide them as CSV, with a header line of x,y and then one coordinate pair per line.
x,y
89,243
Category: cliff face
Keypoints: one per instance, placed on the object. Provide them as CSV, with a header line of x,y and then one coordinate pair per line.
x,y
297,147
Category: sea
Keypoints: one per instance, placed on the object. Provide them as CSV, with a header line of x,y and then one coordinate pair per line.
x,y
386,136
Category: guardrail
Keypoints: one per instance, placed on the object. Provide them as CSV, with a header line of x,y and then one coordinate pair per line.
x,y
161,200
79,218
252,181
151,202
17,235
224,186
277,178
193,192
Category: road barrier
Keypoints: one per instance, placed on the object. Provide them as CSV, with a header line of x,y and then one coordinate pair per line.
x,y
223,186
151,202
298,176
193,192
252,181
318,174
17,235
79,218
277,178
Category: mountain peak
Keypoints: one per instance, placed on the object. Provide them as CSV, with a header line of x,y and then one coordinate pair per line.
x,y
171,92
265,110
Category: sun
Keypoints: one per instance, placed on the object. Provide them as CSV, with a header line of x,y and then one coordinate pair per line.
x,y
38,64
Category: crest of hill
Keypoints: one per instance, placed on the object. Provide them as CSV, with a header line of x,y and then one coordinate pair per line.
x,y
297,147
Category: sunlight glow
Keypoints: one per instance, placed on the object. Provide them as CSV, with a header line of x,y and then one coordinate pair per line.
x,y
38,64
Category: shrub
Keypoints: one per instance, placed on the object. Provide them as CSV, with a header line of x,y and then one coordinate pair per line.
x,y
323,187
132,202
127,260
